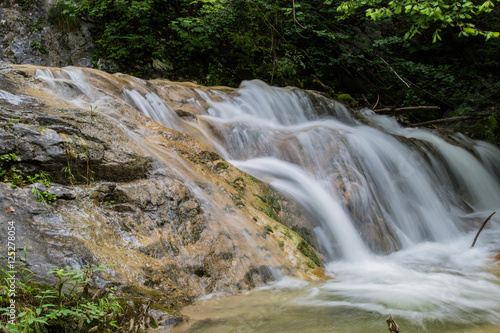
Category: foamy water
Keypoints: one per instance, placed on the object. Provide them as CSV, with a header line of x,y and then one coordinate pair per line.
x,y
397,209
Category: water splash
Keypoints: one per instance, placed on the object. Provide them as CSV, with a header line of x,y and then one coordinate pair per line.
x,y
397,187
373,187
445,282
152,106
322,205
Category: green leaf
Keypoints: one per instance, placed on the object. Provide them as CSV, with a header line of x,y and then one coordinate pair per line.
x,y
436,36
48,305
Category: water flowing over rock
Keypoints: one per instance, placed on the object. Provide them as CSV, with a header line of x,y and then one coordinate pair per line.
x,y
155,172
175,220
374,188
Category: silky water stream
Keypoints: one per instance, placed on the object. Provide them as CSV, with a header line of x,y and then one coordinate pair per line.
x,y
396,212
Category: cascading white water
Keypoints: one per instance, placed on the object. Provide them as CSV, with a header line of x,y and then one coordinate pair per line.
x,y
295,182
152,106
70,83
395,191
378,189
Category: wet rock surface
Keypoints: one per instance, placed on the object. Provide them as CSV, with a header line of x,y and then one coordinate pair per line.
x,y
65,141
173,219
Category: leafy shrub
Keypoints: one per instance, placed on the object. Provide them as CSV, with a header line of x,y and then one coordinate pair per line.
x,y
9,173
68,306
219,42
65,15
36,46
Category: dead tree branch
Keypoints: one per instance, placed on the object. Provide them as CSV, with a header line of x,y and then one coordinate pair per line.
x,y
396,73
406,109
481,229
443,121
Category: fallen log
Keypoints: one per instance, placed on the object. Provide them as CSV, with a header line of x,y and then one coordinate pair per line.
x,y
443,121
406,109
481,229
452,119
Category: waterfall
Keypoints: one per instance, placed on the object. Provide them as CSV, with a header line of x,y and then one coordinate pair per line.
x,y
397,208
370,184
302,186
379,187
375,187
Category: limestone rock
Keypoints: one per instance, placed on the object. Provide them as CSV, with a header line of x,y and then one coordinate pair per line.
x,y
172,217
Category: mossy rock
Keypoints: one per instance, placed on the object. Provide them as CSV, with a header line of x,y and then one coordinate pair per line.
x,y
304,248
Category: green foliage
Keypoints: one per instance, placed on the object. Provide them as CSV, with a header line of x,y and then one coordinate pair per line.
x,y
36,46
67,306
65,14
9,173
78,160
309,44
128,32
271,206
44,179
438,14
25,4
38,26
486,129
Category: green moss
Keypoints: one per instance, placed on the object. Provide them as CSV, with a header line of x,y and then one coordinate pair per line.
x,y
270,203
304,248
347,99
269,212
161,308
461,111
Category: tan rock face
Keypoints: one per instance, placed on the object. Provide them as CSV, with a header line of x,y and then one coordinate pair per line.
x,y
173,219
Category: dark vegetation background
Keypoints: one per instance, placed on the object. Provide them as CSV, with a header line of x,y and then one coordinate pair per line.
x,y
301,43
